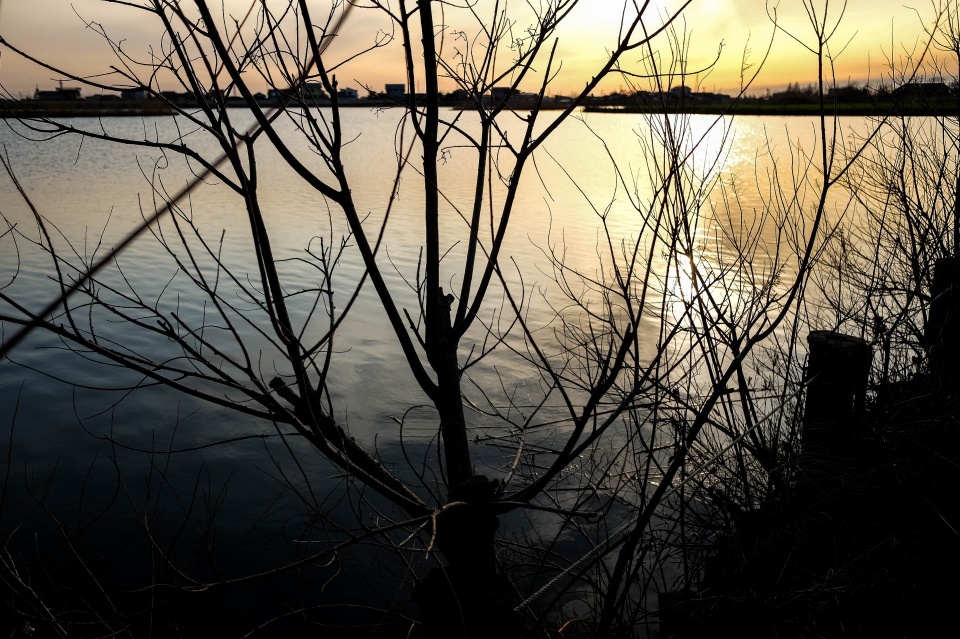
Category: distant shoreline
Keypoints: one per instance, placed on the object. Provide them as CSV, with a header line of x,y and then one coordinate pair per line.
x,y
863,109
147,108
152,108
83,108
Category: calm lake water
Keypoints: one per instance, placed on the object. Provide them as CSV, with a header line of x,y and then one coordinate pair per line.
x,y
57,418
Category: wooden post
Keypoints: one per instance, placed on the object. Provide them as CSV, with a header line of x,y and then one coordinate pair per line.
x,y
837,370
941,332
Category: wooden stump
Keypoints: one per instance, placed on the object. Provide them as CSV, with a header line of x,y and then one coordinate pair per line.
x,y
469,598
837,370
941,332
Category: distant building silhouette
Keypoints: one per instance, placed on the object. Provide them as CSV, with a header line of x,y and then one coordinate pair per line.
x,y
60,94
922,91
313,91
136,95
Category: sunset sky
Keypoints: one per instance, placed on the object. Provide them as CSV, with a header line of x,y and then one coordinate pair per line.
x,y
55,30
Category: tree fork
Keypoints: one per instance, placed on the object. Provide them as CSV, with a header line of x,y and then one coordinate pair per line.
x,y
469,597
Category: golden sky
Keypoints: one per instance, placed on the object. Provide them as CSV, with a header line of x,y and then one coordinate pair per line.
x,y
64,32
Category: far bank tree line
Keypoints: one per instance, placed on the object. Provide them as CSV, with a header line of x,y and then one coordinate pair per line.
x,y
913,96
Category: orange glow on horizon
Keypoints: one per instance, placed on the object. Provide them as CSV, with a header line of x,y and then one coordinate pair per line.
x,y
740,30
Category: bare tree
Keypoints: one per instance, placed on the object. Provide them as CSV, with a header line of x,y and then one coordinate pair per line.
x,y
619,421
